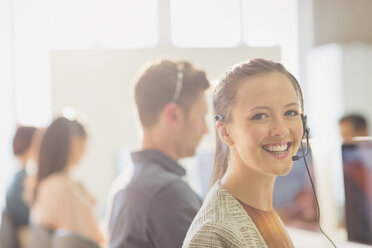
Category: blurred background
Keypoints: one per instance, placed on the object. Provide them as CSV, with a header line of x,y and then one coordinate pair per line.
x,y
85,54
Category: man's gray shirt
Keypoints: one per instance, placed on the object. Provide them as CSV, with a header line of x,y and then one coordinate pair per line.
x,y
156,207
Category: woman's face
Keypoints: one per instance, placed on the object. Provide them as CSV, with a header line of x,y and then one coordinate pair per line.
x,y
266,128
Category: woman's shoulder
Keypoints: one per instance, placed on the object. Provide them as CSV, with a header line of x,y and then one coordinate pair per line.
x,y
58,180
221,206
214,218
62,183
57,184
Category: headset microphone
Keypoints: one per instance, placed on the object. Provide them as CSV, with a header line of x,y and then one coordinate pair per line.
x,y
306,136
295,158
304,154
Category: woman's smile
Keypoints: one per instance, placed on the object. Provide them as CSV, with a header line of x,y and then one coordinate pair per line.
x,y
269,132
278,150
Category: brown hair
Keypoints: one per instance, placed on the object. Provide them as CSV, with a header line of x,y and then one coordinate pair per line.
x,y
55,146
358,121
22,139
157,83
224,97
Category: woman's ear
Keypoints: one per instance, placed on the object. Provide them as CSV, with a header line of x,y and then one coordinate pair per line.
x,y
223,133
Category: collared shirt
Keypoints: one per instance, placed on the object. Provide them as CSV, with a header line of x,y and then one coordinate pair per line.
x,y
155,207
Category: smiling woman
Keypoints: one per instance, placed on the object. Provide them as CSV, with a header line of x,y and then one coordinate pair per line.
x,y
258,106
265,128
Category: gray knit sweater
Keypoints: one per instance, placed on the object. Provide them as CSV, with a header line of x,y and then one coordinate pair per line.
x,y
222,222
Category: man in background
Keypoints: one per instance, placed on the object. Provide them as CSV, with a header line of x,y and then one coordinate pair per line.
x,y
351,126
156,206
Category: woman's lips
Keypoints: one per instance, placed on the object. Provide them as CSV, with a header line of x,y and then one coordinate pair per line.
x,y
278,150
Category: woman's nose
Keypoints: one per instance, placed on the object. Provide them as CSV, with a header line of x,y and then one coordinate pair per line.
x,y
279,128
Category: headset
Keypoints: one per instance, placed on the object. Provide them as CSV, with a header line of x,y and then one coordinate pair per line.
x,y
305,136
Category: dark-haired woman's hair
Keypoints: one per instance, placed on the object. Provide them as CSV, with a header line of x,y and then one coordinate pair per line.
x,y
22,139
55,147
224,97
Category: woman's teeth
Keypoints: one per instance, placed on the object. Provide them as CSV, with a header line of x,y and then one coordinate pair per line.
x,y
276,148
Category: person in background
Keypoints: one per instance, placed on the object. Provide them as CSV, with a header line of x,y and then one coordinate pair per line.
x,y
60,201
16,207
352,125
155,207
258,109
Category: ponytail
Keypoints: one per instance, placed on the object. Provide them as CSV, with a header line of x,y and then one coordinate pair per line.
x,y
221,160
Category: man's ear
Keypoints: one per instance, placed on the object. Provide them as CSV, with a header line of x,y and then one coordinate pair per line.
x,y
224,133
171,113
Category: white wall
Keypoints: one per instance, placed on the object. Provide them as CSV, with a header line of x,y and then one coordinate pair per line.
x,y
7,119
31,80
325,85
357,82
97,82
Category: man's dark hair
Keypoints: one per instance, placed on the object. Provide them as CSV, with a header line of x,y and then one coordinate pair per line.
x,y
156,86
22,139
357,120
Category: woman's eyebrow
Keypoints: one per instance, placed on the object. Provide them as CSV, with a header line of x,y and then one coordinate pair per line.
x,y
292,104
259,107
267,108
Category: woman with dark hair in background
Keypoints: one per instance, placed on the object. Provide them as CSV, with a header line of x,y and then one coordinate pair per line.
x,y
258,107
16,213
60,202
16,207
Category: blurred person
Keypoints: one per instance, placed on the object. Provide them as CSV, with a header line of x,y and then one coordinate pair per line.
x,y
258,109
22,149
156,206
60,201
352,125
15,206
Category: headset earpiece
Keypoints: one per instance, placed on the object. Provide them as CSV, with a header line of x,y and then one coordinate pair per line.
x,y
304,126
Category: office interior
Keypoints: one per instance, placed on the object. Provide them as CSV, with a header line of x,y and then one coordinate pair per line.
x,y
80,56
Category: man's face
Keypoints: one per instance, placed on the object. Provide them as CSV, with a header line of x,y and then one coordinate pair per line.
x,y
348,131
194,127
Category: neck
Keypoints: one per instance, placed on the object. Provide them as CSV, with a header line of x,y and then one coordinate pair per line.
x,y
250,186
23,160
156,141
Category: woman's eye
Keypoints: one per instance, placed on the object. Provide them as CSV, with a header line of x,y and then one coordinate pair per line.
x,y
291,113
259,116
